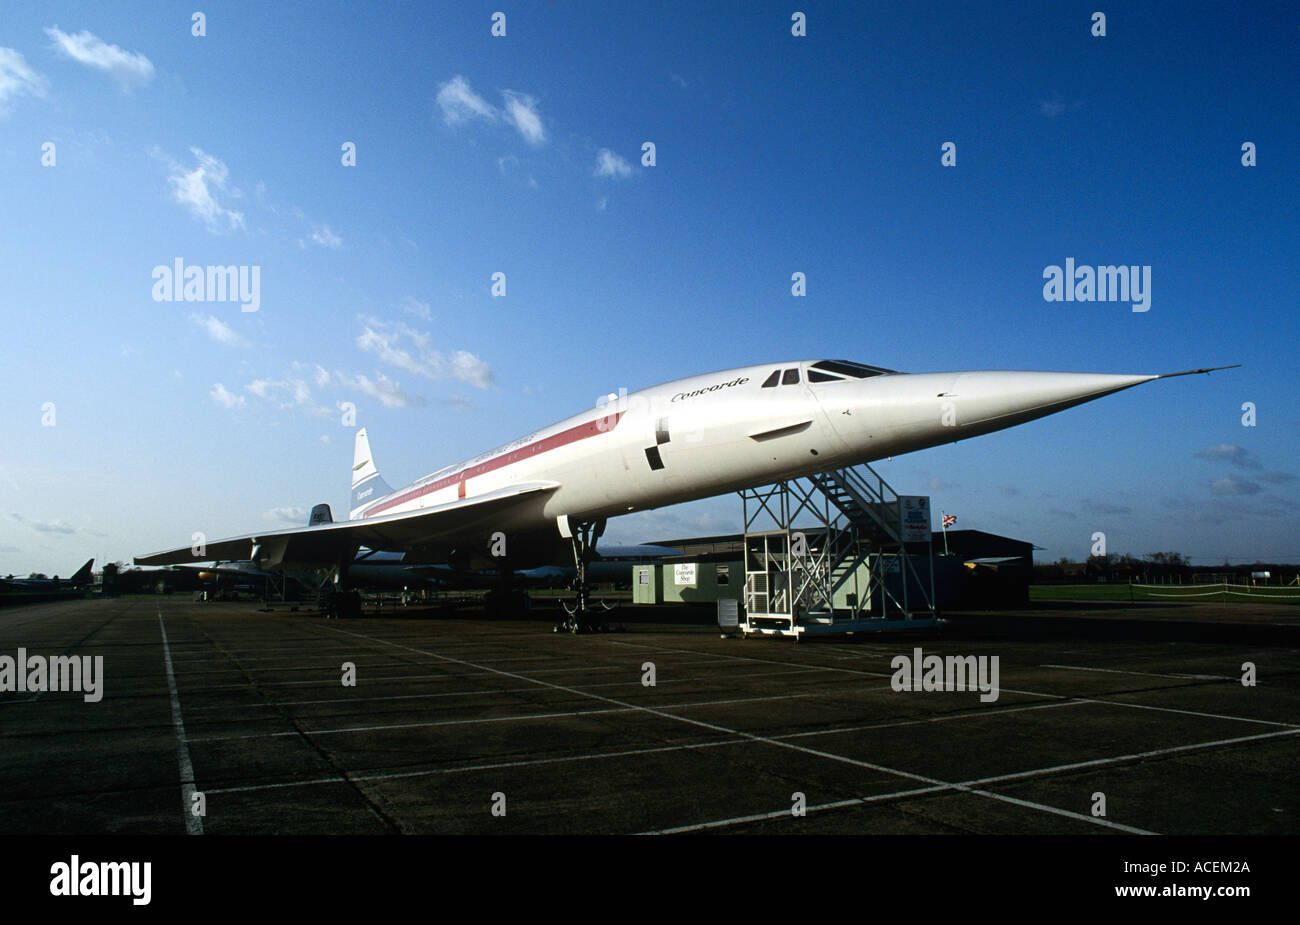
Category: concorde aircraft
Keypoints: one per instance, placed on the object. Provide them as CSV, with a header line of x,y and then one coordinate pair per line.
x,y
525,501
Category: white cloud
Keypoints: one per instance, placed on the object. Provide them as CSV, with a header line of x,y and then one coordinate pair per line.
x,y
290,515
460,103
44,526
225,398
54,526
388,392
609,164
383,343
1229,452
197,188
294,391
602,203
288,394
469,368
128,68
388,340
218,330
417,308
1056,105
325,238
18,79
1235,485
521,112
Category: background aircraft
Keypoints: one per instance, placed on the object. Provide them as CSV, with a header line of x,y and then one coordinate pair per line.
x,y
376,570
80,579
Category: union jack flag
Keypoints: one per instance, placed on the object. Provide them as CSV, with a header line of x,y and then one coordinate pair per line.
x,y
949,520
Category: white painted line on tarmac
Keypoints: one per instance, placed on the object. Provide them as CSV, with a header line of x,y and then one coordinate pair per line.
x,y
326,682
1010,690
505,690
1143,706
770,741
494,766
1135,756
978,782
623,708
527,762
193,823
932,719
1149,674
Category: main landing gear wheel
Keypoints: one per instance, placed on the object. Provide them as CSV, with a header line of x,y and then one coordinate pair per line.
x,y
591,624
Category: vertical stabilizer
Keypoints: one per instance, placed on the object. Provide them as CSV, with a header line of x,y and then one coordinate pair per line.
x,y
367,485
320,514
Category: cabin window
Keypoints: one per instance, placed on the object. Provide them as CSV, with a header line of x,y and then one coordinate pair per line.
x,y
851,369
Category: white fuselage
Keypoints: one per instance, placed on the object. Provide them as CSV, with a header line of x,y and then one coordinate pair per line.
x,y
722,432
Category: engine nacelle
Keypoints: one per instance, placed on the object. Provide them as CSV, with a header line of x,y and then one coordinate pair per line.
x,y
269,554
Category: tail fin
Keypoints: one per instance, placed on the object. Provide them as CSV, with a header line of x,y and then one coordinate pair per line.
x,y
320,514
82,575
367,485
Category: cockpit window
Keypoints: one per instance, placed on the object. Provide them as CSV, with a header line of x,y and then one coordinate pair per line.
x,y
790,377
851,369
772,380
816,375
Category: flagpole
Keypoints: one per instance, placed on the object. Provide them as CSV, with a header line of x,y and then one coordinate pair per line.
x,y
944,523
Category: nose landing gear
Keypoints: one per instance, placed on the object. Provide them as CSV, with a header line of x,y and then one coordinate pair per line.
x,y
581,616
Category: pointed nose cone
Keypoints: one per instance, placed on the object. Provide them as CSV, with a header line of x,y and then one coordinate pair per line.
x,y
899,413
991,400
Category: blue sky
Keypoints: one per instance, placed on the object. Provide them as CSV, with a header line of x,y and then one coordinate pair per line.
x,y
522,155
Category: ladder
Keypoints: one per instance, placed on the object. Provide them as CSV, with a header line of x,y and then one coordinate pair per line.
x,y
851,569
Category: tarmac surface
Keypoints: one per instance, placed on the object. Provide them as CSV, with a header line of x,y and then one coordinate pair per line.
x,y
459,724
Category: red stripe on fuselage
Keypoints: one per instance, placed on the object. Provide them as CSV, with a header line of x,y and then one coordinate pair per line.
x,y
555,441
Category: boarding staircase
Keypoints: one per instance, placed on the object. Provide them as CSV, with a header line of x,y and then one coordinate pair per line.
x,y
835,575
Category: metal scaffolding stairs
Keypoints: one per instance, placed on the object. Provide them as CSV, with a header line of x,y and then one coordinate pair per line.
x,y
834,575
